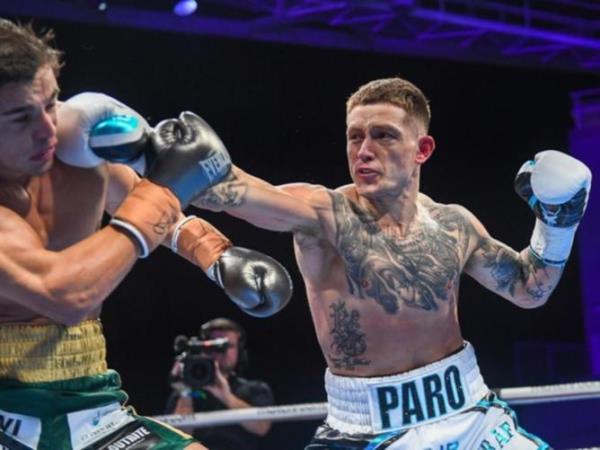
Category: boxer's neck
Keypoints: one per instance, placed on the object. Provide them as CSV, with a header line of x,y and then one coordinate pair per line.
x,y
393,210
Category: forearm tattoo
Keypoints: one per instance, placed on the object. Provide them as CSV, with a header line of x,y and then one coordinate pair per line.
x,y
417,272
228,193
509,270
348,340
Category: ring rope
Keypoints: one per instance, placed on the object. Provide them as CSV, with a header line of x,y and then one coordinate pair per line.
x,y
312,411
550,393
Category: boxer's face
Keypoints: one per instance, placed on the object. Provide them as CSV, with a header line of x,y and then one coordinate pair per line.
x,y
384,148
28,125
228,360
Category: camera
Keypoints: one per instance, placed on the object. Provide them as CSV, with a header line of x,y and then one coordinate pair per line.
x,y
197,359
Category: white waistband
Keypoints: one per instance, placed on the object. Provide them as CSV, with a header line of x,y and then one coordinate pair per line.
x,y
424,395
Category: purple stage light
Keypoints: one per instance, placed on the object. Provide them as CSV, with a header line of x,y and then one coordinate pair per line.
x,y
506,32
185,7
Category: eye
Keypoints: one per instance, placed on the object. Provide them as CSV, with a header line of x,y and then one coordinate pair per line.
x,y
382,134
21,119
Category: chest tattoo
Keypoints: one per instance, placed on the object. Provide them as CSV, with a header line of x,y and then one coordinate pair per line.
x,y
417,271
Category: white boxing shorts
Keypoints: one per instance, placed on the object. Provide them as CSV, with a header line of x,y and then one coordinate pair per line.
x,y
442,406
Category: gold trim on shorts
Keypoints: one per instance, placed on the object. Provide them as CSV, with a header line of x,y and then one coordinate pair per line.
x,y
51,352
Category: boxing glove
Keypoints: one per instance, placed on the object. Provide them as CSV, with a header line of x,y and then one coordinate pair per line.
x,y
190,157
255,282
556,187
103,129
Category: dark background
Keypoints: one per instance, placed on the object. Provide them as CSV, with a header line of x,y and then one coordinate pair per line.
x,y
280,110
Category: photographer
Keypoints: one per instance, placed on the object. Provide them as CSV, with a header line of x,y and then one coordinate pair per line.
x,y
206,377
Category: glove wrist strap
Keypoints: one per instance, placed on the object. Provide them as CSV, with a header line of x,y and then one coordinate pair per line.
x,y
200,243
552,245
135,233
147,214
214,273
177,231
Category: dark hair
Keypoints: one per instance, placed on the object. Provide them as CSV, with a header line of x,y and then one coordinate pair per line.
x,y
396,91
223,324
23,52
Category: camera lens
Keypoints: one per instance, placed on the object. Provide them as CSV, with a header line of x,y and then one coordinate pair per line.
x,y
198,371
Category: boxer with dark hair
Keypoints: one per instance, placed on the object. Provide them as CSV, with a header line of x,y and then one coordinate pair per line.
x,y
57,265
382,262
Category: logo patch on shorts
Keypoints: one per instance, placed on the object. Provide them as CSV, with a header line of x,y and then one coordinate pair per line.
x,y
135,436
90,425
24,429
418,400
501,436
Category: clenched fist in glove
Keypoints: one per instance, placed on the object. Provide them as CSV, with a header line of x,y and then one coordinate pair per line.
x,y
556,186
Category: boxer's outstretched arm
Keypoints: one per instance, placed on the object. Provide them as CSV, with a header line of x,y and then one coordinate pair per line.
x,y
256,283
295,207
64,286
519,277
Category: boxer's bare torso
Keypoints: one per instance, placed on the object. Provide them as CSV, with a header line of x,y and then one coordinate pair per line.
x,y
60,208
384,298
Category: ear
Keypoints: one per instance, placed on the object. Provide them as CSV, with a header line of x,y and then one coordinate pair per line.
x,y
426,148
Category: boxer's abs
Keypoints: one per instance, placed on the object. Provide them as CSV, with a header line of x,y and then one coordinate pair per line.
x,y
358,338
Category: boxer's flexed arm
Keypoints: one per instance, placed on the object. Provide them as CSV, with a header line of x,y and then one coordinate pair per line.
x,y
556,187
519,277
64,286
295,207
68,285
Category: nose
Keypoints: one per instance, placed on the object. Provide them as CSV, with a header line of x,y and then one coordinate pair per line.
x,y
46,127
365,152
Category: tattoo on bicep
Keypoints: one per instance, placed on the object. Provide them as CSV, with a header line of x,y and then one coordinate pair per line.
x,y
228,194
349,341
417,272
509,271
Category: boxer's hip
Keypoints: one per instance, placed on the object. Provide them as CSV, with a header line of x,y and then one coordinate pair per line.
x,y
421,396
53,369
51,352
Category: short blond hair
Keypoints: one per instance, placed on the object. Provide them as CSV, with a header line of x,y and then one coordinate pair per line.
x,y
396,91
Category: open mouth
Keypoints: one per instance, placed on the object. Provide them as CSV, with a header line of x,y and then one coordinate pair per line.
x,y
366,173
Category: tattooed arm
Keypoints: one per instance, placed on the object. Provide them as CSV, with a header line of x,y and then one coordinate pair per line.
x,y
292,207
519,277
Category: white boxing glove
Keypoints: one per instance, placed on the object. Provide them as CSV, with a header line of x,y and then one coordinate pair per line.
x,y
556,186
122,132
